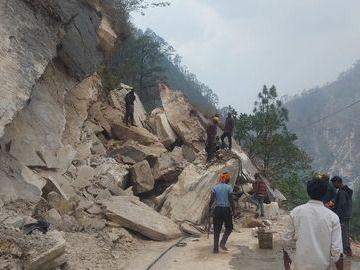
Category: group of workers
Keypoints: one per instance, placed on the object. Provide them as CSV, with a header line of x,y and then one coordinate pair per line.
x,y
222,198
213,141
319,227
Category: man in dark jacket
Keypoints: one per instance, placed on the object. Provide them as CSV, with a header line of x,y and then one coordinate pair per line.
x,y
228,130
343,208
211,132
129,107
330,196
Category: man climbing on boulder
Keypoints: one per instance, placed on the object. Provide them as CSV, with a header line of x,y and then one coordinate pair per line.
x,y
129,107
211,132
224,209
259,193
317,232
228,130
343,208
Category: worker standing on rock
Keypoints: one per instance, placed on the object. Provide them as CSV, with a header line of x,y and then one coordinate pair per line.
x,y
129,107
221,194
343,208
211,132
317,233
228,130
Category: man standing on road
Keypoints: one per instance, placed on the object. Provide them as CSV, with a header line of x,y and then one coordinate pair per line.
x,y
221,194
343,208
330,196
129,107
316,231
228,130
260,193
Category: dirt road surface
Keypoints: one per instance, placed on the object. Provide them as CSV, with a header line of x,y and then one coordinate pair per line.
x,y
243,254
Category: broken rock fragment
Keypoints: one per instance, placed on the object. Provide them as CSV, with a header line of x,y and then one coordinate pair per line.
x,y
182,118
169,165
137,152
161,127
137,216
141,177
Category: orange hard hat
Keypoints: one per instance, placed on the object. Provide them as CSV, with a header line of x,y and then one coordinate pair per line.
x,y
225,177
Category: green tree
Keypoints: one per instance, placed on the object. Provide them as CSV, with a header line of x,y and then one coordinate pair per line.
x,y
265,136
139,64
143,60
139,5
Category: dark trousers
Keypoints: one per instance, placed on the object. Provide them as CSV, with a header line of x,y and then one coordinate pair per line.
x,y
345,233
259,202
222,215
227,135
129,115
210,150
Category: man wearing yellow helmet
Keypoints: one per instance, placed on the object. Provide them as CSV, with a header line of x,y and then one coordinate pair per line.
x,y
211,132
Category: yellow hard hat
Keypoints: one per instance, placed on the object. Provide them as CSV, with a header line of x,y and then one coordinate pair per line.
x,y
216,120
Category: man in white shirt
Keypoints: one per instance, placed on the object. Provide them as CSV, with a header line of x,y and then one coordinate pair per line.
x,y
316,231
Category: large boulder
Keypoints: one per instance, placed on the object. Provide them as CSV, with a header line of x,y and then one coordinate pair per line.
x,y
141,177
189,197
169,165
112,174
161,127
182,117
18,182
137,216
248,167
136,152
139,134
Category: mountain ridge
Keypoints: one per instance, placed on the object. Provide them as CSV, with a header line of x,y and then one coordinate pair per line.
x,y
324,123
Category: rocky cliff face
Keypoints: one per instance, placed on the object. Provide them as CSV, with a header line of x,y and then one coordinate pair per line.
x,y
332,143
66,156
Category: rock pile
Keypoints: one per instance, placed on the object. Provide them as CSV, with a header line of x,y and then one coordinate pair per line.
x,y
65,151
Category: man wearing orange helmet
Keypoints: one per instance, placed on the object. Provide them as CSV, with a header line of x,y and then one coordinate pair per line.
x,y
221,195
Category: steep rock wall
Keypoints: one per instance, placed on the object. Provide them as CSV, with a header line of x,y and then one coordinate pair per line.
x,y
49,52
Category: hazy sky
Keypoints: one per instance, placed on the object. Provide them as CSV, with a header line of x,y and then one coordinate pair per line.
x,y
236,46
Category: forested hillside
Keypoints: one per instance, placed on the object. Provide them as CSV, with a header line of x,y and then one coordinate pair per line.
x,y
144,60
333,143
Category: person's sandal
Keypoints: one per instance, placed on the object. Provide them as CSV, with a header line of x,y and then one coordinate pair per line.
x,y
223,247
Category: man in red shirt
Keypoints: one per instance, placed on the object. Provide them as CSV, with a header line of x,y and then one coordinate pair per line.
x,y
260,193
228,130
